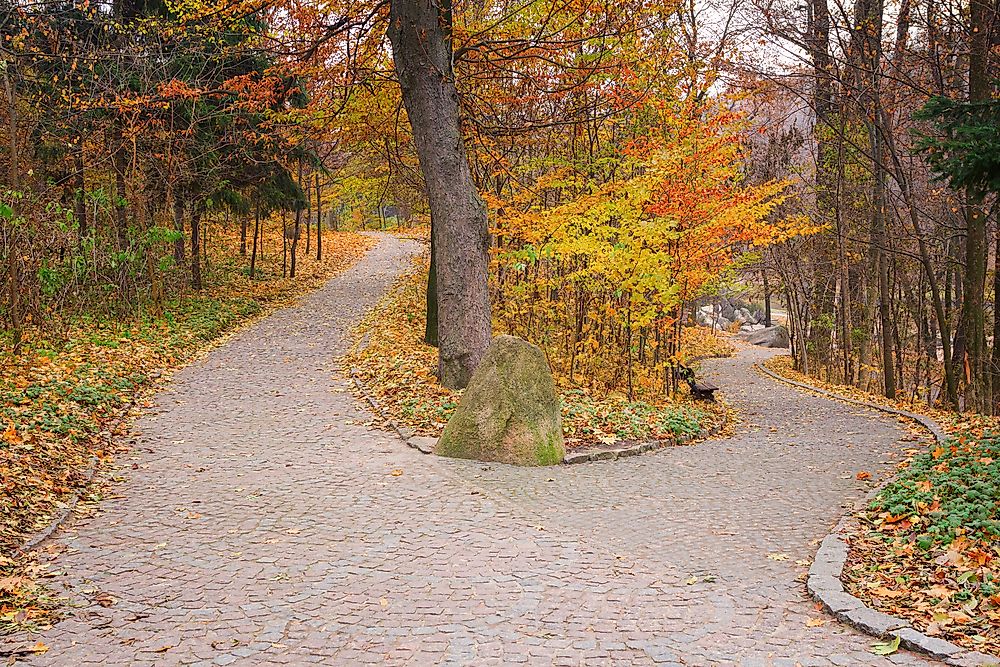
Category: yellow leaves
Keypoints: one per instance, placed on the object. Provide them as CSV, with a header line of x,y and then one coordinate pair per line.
x,y
38,648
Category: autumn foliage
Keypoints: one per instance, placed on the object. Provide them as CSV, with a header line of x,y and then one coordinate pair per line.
x,y
605,280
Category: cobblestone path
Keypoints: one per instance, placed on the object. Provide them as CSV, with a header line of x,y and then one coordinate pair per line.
x,y
259,523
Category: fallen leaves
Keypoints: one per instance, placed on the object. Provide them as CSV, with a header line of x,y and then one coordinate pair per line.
x,y
926,550
886,647
392,362
66,402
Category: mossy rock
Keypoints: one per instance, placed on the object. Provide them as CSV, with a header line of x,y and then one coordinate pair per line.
x,y
510,411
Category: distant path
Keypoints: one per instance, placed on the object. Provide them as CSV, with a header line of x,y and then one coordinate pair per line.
x,y
261,524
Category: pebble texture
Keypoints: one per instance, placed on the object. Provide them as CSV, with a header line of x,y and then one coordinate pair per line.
x,y
264,523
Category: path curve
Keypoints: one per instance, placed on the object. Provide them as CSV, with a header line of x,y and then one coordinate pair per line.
x,y
260,523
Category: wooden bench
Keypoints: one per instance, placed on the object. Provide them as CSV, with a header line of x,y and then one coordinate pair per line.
x,y
700,390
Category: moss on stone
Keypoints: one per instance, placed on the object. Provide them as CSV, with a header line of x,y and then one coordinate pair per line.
x,y
510,411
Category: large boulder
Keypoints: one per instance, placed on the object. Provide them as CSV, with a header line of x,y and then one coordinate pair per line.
x,y
727,309
776,336
510,411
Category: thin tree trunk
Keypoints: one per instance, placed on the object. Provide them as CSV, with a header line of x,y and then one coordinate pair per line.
x,y
244,222
196,247
319,222
306,189
79,194
431,329
121,203
767,297
256,234
178,210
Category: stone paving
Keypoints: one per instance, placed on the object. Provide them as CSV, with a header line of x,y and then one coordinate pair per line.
x,y
262,522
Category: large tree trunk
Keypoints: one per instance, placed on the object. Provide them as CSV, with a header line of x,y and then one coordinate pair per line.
x,y
423,61
973,320
995,361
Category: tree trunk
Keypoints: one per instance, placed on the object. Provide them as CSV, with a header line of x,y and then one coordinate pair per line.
x,y
868,35
306,190
15,164
973,320
418,31
256,234
79,194
121,213
179,228
431,330
767,298
196,247
995,362
319,222
295,243
244,222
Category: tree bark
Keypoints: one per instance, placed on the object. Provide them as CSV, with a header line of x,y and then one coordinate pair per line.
x,y
121,213
418,31
319,222
196,247
244,222
973,319
179,228
431,329
79,193
256,234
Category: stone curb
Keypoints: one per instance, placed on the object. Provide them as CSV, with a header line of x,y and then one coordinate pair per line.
x,y
613,454
64,514
38,538
422,443
926,422
824,580
425,444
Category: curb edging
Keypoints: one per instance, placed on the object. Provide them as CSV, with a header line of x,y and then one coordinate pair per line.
x,y
824,584
41,536
425,444
422,443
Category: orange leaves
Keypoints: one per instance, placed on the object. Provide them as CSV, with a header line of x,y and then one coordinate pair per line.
x,y
10,435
